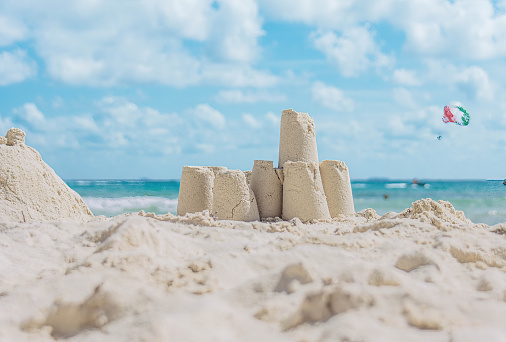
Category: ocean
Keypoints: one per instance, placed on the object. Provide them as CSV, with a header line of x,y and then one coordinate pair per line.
x,y
483,201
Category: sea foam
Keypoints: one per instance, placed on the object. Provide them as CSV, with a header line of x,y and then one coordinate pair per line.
x,y
115,206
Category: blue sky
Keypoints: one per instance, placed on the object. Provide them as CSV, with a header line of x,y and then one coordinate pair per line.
x,y
129,89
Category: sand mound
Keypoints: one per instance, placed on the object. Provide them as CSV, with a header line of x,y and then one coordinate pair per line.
x,y
30,189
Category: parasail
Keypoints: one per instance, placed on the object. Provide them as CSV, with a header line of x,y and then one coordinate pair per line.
x,y
456,113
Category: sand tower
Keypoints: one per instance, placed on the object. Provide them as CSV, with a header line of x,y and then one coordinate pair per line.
x,y
232,197
195,190
267,185
297,138
337,186
303,194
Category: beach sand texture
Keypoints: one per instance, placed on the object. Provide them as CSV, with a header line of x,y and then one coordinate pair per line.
x,y
425,274
30,189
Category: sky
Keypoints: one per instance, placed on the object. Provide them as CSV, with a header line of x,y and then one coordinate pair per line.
x,y
138,88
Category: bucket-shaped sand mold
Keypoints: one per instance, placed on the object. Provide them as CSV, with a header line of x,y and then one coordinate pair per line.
x,y
303,194
297,139
337,186
195,190
268,188
232,197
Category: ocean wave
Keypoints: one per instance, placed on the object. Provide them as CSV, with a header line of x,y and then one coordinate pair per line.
x,y
115,206
396,185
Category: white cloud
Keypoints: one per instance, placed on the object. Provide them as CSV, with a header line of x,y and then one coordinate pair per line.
x,y
234,31
353,52
239,96
177,43
404,98
466,29
209,115
11,30
30,115
469,30
273,118
251,121
15,67
330,14
406,77
331,97
472,81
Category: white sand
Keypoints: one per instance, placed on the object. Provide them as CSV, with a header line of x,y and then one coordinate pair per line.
x,y
303,194
30,189
427,274
337,186
297,138
195,189
268,189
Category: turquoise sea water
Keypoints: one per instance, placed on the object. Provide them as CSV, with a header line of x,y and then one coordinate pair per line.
x,y
481,200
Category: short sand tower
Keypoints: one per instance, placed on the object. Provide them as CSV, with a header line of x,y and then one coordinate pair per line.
x,y
337,186
195,190
232,197
297,138
303,194
268,188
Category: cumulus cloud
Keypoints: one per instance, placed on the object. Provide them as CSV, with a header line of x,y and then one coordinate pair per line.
x,y
251,121
328,14
209,115
406,77
273,118
234,31
353,52
465,29
30,115
15,67
469,30
472,81
331,97
239,96
11,30
177,43
404,98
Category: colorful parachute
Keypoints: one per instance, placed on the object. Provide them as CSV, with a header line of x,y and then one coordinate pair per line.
x,y
456,113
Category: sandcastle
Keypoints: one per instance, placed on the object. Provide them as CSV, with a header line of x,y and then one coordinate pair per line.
x,y
300,187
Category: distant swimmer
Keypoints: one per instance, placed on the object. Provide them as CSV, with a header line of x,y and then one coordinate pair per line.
x,y
504,182
385,196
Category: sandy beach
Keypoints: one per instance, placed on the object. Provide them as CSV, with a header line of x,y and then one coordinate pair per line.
x,y
323,273
424,274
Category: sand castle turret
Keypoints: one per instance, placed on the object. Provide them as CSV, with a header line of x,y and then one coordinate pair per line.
x,y
297,138
195,190
233,198
337,186
303,194
267,184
